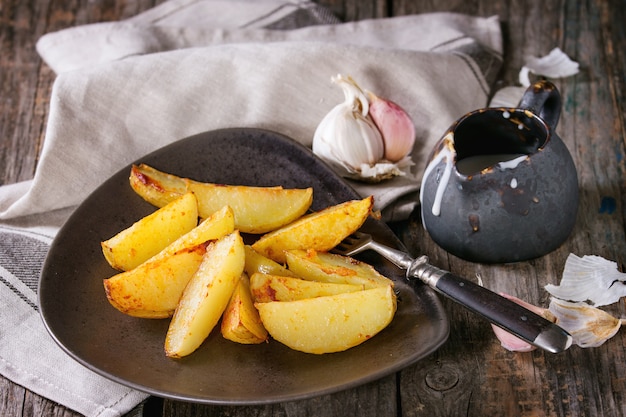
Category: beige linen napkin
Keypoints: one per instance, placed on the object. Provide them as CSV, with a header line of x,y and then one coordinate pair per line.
x,y
127,88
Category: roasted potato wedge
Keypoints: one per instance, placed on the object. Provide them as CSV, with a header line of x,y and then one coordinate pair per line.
x,y
241,322
206,296
266,288
153,289
255,262
329,324
156,187
328,267
256,209
151,234
218,225
321,230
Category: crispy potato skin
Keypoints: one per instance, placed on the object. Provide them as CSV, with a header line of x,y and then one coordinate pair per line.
x,y
206,296
329,324
148,236
266,288
328,267
320,231
255,262
241,322
257,210
153,289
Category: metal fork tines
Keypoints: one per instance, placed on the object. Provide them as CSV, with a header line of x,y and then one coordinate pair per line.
x,y
359,242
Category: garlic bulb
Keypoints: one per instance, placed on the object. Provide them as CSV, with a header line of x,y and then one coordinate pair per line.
x,y
355,146
347,137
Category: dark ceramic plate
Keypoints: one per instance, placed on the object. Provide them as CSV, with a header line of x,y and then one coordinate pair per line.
x,y
130,350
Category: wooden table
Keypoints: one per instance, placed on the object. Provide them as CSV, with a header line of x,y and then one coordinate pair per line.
x,y
470,374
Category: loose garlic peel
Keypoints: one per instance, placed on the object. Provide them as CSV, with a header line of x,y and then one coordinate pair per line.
x,y
587,283
592,279
366,137
589,326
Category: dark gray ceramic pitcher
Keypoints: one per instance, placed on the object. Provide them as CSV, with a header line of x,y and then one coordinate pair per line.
x,y
500,185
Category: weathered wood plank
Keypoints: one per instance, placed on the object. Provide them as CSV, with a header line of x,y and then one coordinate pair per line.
x,y
20,27
11,398
374,399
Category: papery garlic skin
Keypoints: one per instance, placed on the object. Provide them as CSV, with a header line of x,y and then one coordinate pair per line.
x,y
395,126
385,170
589,326
554,65
587,282
346,137
592,279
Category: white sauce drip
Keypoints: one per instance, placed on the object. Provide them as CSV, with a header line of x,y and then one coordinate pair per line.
x,y
448,155
514,183
513,163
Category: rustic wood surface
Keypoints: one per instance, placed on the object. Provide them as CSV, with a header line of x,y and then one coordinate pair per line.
x,y
470,375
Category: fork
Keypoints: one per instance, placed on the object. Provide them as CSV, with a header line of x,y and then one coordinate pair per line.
x,y
499,310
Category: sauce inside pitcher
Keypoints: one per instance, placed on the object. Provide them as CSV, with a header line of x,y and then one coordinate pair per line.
x,y
475,164
497,138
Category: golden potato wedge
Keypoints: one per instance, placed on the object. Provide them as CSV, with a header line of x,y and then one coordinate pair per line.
x,y
321,230
206,296
156,187
255,262
266,288
257,209
329,324
153,289
241,322
218,225
151,234
328,267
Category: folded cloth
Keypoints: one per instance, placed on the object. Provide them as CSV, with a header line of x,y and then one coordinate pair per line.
x,y
127,88
108,113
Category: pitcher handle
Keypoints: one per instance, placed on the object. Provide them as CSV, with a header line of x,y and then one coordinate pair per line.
x,y
543,99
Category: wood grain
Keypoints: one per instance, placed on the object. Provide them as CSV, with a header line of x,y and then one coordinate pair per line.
x,y
471,375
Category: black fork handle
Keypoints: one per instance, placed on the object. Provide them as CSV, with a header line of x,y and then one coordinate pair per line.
x,y
499,310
